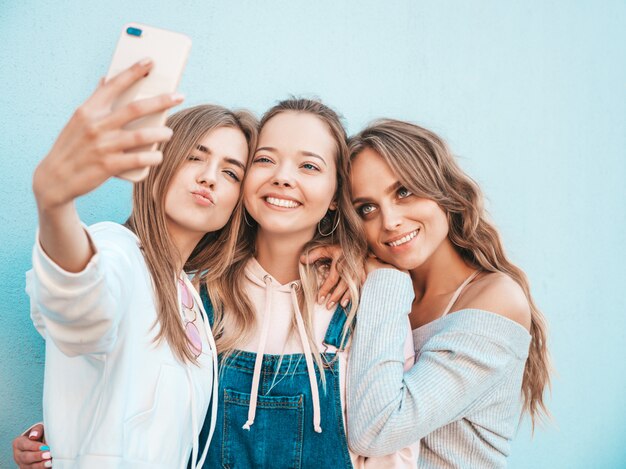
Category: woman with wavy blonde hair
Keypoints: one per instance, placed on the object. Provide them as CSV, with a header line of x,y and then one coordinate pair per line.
x,y
480,341
283,356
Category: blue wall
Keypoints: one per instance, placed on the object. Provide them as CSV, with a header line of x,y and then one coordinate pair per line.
x,y
530,94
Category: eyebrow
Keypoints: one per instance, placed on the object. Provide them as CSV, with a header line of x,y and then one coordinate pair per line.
x,y
392,188
305,153
228,159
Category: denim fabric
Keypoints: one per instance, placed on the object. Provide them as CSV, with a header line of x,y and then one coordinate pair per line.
x,y
282,435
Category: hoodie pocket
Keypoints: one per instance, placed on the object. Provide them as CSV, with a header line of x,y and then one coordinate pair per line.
x,y
155,434
275,438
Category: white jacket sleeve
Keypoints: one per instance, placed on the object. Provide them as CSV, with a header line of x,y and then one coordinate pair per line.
x,y
81,311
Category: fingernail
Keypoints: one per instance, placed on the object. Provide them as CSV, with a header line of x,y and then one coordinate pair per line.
x,y
178,97
145,62
46,455
47,464
344,303
33,434
44,448
330,305
321,300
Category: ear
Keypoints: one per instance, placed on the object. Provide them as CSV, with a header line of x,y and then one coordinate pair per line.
x,y
333,205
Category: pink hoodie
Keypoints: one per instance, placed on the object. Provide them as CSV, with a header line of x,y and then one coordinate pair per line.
x,y
263,290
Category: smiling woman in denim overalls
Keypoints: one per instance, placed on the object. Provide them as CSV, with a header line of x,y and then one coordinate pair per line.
x,y
275,408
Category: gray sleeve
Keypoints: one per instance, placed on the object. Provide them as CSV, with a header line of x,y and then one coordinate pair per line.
x,y
389,408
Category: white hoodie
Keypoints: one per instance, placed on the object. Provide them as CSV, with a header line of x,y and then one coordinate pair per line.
x,y
113,398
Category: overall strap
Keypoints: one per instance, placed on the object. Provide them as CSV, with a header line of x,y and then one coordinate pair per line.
x,y
334,333
206,301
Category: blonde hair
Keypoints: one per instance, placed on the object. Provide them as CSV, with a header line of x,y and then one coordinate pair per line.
x,y
215,250
228,293
425,165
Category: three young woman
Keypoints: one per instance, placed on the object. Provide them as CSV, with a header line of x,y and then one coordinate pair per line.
x,y
283,371
130,357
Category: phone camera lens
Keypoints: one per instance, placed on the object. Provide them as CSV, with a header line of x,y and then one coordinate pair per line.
x,y
134,32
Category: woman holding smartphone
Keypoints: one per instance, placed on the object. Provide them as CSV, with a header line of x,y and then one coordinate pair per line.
x,y
130,358
480,341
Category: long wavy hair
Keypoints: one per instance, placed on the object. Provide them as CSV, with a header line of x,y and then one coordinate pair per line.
x,y
235,317
215,251
424,165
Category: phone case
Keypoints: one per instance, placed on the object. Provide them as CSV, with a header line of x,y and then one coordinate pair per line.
x,y
168,51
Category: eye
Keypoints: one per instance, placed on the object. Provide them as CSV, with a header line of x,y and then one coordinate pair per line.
x,y
262,159
366,209
232,174
193,158
310,167
403,193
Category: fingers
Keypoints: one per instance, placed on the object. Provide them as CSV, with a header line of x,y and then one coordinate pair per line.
x,y
138,109
122,162
123,140
345,299
36,432
316,254
122,81
331,280
31,454
337,294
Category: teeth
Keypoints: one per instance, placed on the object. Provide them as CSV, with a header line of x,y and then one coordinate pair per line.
x,y
404,239
282,202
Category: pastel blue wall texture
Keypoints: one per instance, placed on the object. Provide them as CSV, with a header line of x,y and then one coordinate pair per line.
x,y
531,95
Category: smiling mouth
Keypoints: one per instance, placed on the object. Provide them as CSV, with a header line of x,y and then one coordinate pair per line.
x,y
405,239
285,203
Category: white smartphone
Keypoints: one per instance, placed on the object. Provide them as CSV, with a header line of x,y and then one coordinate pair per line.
x,y
168,51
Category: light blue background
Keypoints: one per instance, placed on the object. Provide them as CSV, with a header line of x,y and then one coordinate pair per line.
x,y
530,94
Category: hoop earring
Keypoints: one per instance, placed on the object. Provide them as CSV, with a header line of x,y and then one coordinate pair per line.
x,y
319,229
245,219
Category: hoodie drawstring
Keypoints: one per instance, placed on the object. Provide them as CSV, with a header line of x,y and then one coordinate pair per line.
x,y
256,375
309,360
194,419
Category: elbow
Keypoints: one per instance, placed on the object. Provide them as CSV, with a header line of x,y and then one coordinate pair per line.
x,y
368,447
366,442
74,340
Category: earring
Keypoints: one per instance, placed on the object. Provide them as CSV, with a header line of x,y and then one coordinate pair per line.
x,y
319,226
245,219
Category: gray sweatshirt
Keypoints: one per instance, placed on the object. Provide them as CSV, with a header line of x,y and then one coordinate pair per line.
x,y
461,399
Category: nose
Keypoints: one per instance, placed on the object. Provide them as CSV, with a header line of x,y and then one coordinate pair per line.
x,y
391,219
207,176
283,176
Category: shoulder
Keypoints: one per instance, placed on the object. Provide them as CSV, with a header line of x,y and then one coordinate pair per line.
x,y
497,293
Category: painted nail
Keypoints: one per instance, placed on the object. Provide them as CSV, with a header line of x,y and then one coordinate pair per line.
x,y
178,97
321,300
44,448
46,455
344,303
33,434
330,305
145,62
47,464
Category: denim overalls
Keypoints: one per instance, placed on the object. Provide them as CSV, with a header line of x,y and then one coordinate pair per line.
x,y
282,435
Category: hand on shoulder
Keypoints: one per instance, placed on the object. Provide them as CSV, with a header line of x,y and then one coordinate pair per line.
x,y
497,293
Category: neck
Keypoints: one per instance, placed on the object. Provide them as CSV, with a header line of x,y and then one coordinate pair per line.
x,y
280,255
184,241
441,273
